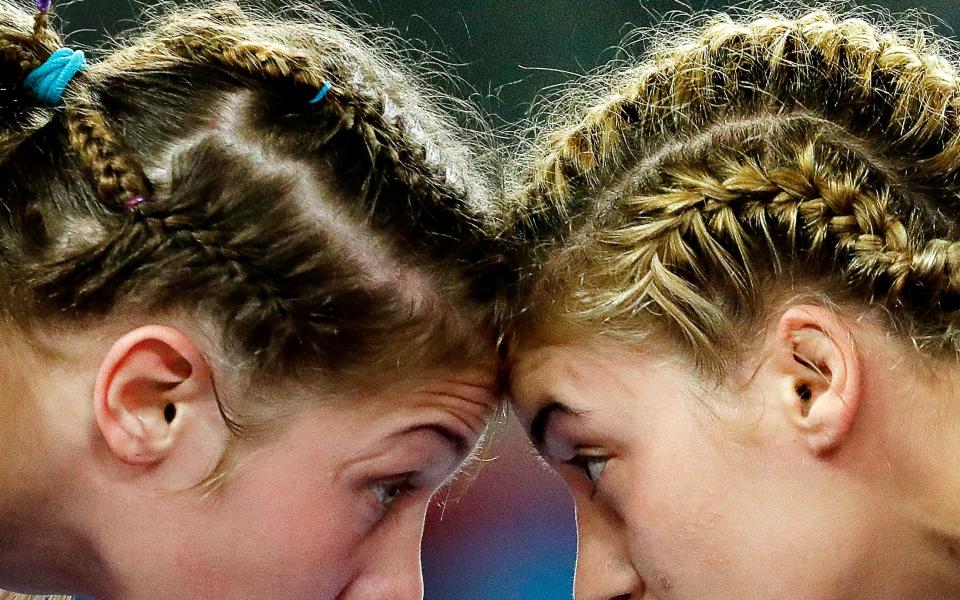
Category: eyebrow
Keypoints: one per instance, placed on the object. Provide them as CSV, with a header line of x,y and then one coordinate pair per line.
x,y
541,423
456,439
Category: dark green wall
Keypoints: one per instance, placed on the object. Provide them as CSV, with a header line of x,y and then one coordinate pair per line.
x,y
508,49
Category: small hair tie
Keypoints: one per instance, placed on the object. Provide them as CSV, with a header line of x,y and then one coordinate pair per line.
x,y
43,5
134,202
327,86
49,81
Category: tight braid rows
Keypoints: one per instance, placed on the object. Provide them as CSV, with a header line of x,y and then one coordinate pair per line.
x,y
116,176
207,114
739,214
813,145
360,111
773,60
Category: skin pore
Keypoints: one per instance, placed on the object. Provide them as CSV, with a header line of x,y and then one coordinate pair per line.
x,y
108,440
824,466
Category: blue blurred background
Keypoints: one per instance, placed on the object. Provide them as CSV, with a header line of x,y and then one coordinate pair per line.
x,y
509,534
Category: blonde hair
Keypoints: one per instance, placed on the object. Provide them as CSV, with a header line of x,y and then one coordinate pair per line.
x,y
806,148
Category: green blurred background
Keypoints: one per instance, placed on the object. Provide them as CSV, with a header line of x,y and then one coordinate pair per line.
x,y
510,535
505,50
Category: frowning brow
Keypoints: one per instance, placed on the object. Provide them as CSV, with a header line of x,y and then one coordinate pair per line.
x,y
460,443
541,423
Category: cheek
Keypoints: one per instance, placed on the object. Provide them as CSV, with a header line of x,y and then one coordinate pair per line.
x,y
291,528
712,519
684,505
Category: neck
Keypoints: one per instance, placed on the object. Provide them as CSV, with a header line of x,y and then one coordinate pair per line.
x,y
920,445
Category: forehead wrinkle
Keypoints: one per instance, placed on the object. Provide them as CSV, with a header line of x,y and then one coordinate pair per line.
x,y
470,413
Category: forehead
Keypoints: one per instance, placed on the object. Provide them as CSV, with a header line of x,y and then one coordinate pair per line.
x,y
468,396
586,375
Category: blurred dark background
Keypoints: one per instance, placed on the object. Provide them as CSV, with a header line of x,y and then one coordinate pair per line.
x,y
505,50
510,535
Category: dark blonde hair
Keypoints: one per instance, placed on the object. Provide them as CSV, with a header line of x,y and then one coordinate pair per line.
x,y
342,238
792,151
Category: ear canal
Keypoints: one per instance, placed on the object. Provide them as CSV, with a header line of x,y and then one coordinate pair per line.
x,y
803,390
169,413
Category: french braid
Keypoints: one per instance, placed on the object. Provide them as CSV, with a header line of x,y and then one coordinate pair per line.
x,y
317,236
804,148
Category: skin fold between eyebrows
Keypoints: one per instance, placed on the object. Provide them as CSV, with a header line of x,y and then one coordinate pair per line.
x,y
540,425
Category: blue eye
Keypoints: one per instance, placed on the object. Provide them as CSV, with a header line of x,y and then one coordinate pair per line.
x,y
592,466
389,491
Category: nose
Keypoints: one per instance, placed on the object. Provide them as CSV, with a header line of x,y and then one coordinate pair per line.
x,y
604,569
389,566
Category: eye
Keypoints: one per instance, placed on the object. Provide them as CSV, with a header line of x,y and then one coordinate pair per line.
x,y
592,465
389,491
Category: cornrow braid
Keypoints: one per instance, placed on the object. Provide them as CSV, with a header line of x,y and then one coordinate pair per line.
x,y
358,112
117,176
319,234
778,146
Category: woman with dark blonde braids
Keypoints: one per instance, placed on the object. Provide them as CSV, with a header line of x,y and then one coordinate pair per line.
x,y
246,300
741,318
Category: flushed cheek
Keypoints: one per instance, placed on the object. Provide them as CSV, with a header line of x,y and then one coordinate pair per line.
x,y
294,528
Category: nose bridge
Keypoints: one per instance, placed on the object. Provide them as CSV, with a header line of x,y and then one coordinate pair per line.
x,y
604,568
390,568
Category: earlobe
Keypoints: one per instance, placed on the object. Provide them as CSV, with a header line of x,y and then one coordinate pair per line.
x,y
819,366
150,382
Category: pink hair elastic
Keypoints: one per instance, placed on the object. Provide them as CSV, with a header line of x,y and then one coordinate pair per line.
x,y
134,202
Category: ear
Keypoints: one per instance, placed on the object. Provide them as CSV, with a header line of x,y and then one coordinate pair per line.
x,y
155,403
818,372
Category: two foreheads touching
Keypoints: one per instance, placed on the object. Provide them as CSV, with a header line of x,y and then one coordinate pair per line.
x,y
813,149
808,149
314,207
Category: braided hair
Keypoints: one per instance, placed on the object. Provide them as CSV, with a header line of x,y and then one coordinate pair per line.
x,y
188,172
803,151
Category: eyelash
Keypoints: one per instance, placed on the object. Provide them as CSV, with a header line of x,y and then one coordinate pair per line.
x,y
585,461
389,491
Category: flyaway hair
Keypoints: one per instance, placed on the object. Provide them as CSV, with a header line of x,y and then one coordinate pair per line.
x,y
757,153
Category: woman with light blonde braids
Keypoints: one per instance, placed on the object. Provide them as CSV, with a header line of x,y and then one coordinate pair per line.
x,y
246,302
739,337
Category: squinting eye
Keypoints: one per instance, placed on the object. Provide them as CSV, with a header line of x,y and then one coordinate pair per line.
x,y
388,492
592,466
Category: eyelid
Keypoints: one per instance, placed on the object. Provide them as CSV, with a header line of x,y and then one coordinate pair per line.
x,y
580,460
427,453
556,442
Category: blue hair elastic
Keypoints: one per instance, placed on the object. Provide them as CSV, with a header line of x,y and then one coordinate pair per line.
x,y
49,81
323,92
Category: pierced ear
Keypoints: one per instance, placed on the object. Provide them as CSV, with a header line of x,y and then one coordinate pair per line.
x,y
818,367
155,396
